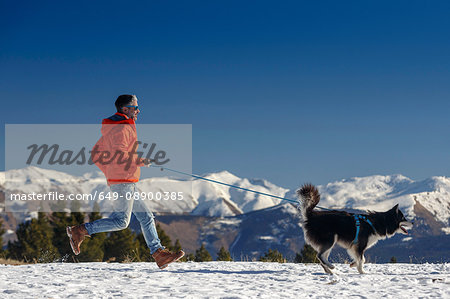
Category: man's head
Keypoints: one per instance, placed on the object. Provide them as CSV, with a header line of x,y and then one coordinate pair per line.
x,y
127,104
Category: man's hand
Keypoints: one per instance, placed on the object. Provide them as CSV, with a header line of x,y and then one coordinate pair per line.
x,y
147,162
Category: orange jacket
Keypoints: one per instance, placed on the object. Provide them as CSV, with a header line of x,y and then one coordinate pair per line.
x,y
115,152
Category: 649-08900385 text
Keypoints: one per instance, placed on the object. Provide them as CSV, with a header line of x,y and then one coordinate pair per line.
x,y
107,195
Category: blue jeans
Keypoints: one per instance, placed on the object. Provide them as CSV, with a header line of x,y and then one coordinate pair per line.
x,y
120,218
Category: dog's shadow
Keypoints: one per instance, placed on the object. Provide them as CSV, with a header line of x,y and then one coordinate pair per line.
x,y
207,271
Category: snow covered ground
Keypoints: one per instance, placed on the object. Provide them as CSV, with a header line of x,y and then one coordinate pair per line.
x,y
222,280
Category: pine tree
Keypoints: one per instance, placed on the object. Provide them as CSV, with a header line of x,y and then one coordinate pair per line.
x,y
92,249
142,249
2,231
59,222
120,246
177,246
273,256
202,255
34,241
224,255
76,215
60,219
163,237
307,255
95,214
189,257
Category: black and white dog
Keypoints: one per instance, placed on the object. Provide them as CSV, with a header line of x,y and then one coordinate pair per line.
x,y
356,233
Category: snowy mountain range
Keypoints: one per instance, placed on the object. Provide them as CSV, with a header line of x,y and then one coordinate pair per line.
x,y
199,197
249,224
204,198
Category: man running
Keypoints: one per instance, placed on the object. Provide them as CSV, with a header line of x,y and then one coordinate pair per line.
x,y
115,155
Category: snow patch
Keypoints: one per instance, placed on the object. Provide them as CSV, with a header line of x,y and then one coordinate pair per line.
x,y
446,230
267,238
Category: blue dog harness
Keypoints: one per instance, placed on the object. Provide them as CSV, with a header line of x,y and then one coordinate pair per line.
x,y
358,225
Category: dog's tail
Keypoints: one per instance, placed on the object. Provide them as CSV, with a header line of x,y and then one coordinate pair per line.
x,y
309,197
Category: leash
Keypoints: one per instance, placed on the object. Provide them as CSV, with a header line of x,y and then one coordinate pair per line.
x,y
229,185
357,217
225,184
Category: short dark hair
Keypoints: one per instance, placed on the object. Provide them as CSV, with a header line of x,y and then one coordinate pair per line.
x,y
124,100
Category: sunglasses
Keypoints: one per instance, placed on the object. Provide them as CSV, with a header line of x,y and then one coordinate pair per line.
x,y
130,106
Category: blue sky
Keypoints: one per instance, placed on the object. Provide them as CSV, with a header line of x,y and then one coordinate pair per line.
x,y
292,92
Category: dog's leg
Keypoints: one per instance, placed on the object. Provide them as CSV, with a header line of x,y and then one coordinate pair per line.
x,y
352,254
360,264
323,255
326,269
324,263
359,259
